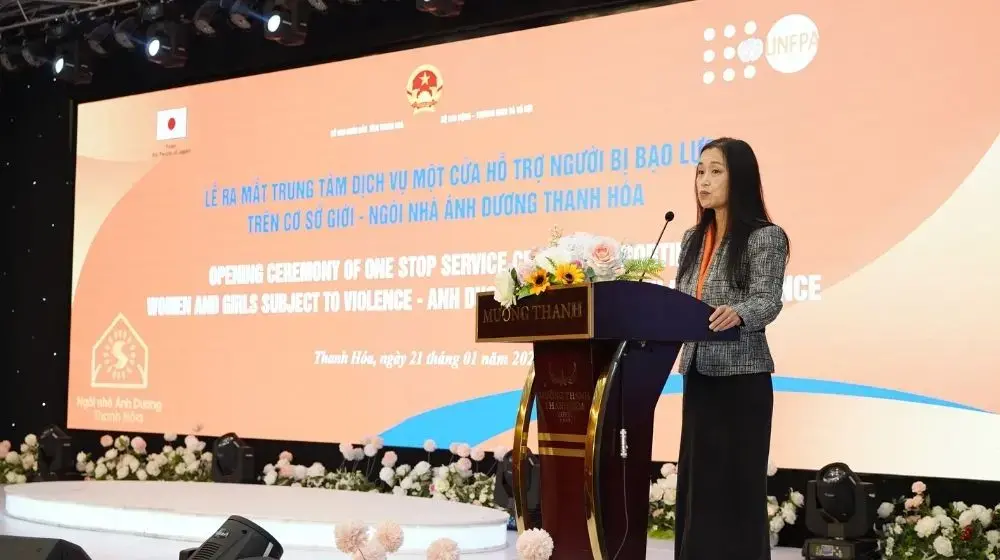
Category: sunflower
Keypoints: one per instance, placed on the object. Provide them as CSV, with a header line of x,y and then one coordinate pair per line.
x,y
538,281
569,273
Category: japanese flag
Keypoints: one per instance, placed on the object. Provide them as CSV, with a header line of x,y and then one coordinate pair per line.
x,y
171,124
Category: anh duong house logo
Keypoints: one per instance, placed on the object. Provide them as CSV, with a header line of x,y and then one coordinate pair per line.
x,y
788,48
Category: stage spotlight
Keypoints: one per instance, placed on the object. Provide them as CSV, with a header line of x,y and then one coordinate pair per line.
x,y
503,490
35,52
441,8
319,5
70,64
286,22
126,32
232,460
11,58
55,449
210,16
242,13
166,44
237,539
840,511
101,38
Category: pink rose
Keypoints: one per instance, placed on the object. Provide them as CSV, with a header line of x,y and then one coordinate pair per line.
x,y
286,471
919,487
107,441
139,445
604,259
389,459
463,450
285,456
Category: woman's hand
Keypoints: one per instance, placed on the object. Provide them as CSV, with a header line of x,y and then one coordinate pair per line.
x,y
723,318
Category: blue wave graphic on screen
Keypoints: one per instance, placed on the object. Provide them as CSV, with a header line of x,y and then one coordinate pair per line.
x,y
482,418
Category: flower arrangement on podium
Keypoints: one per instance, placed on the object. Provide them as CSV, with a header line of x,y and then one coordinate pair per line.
x,y
912,527
18,465
126,458
568,260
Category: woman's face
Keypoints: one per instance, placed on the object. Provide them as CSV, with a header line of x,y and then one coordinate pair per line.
x,y
712,180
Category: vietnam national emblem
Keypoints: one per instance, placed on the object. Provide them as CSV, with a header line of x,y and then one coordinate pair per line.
x,y
423,90
120,358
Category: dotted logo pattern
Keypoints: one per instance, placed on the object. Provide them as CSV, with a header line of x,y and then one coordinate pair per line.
x,y
738,53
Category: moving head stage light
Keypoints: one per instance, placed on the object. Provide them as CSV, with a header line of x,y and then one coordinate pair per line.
x,y
237,539
232,460
56,460
503,491
840,511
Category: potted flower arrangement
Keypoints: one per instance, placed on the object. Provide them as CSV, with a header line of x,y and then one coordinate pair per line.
x,y
127,458
912,527
18,465
570,260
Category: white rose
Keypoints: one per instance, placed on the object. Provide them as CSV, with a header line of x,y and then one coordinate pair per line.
x,y
788,513
81,457
31,440
13,458
180,469
943,547
111,454
270,478
552,257
316,470
387,475
885,510
100,471
406,483
27,461
141,474
777,524
11,477
926,527
153,468
21,479
503,288
667,469
421,468
966,518
655,492
441,485
993,537
797,498
299,472
960,506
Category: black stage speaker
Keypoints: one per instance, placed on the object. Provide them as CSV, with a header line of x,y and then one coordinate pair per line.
x,y
29,548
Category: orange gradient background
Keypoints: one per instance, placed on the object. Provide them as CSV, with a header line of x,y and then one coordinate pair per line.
x,y
876,160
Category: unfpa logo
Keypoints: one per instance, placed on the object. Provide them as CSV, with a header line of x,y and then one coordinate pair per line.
x,y
791,45
120,358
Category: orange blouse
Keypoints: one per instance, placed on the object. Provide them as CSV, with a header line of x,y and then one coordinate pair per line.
x,y
708,251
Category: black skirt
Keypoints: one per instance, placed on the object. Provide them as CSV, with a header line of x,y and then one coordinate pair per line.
x,y
722,471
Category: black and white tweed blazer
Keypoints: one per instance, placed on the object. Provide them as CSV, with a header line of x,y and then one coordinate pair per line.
x,y
757,305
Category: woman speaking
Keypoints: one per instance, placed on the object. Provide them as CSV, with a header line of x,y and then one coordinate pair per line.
x,y
734,260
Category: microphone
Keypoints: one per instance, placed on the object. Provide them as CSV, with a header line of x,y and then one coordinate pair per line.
x,y
667,218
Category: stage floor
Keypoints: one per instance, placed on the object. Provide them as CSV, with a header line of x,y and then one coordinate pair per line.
x,y
115,520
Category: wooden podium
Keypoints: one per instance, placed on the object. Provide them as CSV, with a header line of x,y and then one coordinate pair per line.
x,y
602,354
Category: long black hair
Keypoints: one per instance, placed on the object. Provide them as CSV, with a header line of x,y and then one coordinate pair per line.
x,y
747,212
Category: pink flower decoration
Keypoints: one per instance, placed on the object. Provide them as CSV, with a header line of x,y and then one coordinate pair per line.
x,y
463,450
534,544
286,471
605,259
351,537
191,442
443,549
372,550
430,446
285,456
139,445
464,465
390,536
477,454
4,445
919,487
168,437
500,451
453,448
389,459
107,441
